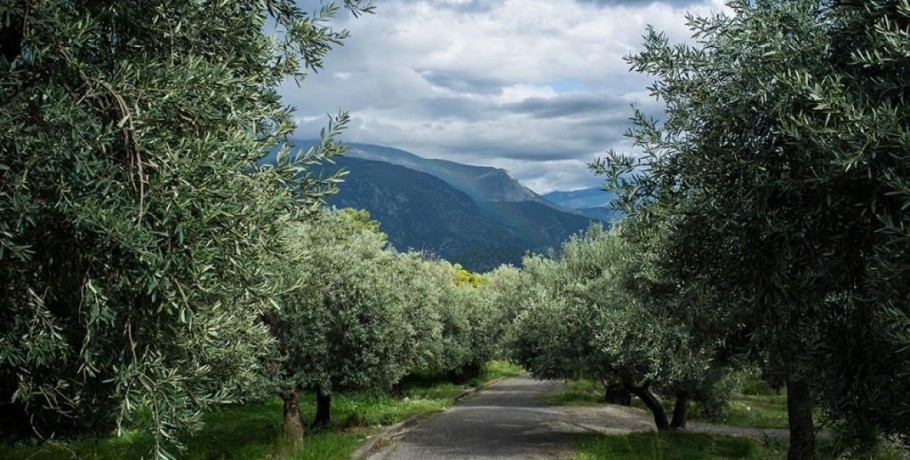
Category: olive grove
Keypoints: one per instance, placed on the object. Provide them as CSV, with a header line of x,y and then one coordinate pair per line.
x,y
135,222
578,316
779,176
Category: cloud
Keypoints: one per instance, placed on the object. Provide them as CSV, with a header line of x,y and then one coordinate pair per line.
x,y
539,87
568,105
678,3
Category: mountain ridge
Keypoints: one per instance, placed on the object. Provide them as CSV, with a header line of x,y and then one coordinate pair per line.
x,y
477,216
481,182
593,202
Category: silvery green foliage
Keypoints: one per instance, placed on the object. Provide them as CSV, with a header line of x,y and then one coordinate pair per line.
x,y
781,172
357,315
470,320
579,316
134,220
502,286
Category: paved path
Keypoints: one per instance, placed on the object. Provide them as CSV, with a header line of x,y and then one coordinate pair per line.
x,y
511,421
507,421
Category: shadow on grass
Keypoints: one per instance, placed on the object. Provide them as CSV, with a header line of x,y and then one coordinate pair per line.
x,y
253,431
671,446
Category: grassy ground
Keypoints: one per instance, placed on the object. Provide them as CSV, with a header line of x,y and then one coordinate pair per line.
x,y
698,446
755,406
253,431
673,446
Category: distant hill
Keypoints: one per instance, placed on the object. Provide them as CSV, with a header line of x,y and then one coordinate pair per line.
x,y
420,211
477,216
591,202
480,182
584,198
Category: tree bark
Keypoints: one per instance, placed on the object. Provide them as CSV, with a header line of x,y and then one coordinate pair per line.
x,y
616,393
799,416
396,391
293,425
680,412
660,415
323,409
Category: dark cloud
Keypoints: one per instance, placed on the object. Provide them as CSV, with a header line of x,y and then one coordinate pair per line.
x,y
457,108
569,105
635,3
462,83
538,86
563,141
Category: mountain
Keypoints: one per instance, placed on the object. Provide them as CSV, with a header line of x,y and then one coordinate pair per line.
x,y
591,202
423,212
480,182
578,199
477,216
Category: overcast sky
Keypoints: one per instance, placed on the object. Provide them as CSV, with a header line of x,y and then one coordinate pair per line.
x,y
538,87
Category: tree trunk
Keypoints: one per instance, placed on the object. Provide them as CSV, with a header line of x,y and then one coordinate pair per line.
x,y
616,393
323,409
799,416
660,415
396,392
680,412
293,426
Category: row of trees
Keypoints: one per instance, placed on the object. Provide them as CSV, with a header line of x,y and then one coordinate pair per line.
x,y
356,314
152,267
149,265
597,310
767,215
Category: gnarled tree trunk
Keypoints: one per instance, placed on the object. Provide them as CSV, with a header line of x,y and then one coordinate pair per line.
x,y
293,425
616,393
680,411
644,394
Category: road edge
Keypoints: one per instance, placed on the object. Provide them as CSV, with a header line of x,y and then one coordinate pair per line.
x,y
388,433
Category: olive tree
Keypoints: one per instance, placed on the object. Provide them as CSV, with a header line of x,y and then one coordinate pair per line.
x,y
469,315
134,220
779,169
582,315
355,314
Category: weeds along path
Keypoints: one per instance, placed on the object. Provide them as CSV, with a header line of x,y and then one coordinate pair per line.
x,y
511,420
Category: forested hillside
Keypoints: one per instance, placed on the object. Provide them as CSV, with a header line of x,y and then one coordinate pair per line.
x,y
420,211
591,202
479,217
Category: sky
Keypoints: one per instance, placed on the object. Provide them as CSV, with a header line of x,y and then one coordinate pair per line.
x,y
537,87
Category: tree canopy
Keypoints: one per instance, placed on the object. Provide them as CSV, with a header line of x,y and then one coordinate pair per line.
x,y
134,219
779,171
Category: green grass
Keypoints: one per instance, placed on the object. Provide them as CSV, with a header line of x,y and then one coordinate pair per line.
x,y
579,392
672,446
755,406
500,369
698,446
253,431
764,411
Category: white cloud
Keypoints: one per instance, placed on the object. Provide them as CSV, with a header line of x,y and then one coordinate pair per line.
x,y
539,87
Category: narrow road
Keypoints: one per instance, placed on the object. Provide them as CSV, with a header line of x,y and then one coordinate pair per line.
x,y
507,421
512,421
